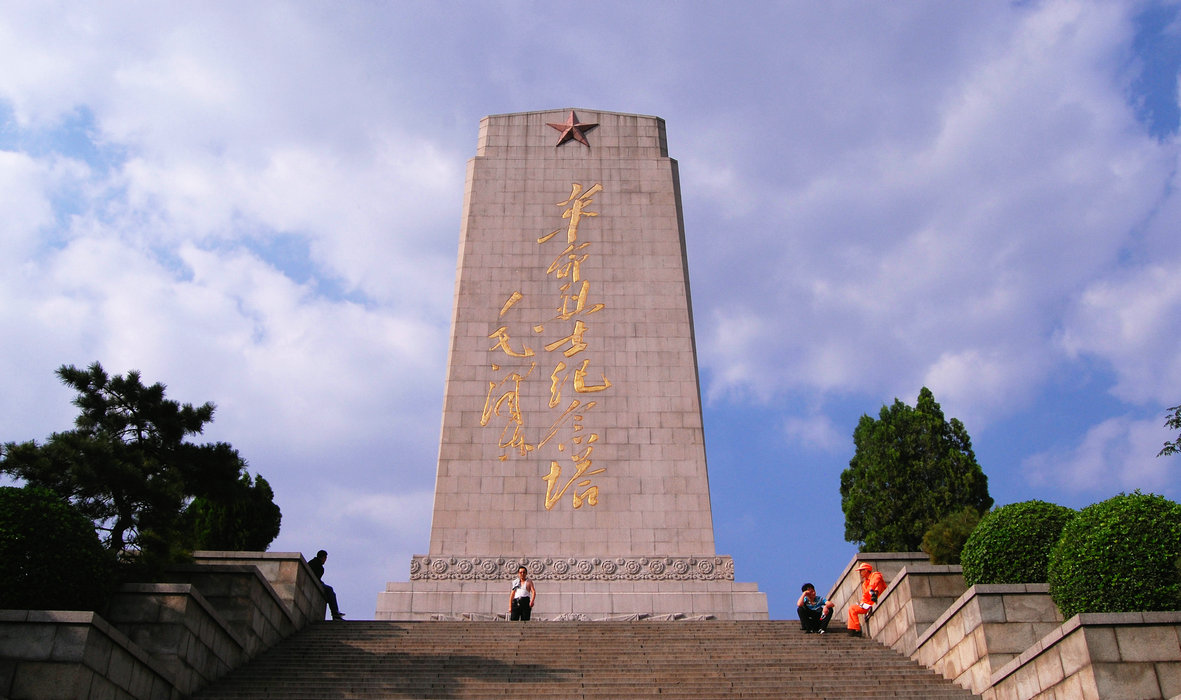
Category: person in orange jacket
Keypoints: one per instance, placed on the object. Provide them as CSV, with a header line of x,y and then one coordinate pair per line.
x,y
872,585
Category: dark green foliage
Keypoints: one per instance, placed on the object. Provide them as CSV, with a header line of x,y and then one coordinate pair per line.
x,y
945,540
1121,555
52,559
911,469
127,465
245,520
1173,422
1012,543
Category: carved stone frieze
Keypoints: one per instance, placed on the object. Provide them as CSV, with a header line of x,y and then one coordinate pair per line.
x,y
491,568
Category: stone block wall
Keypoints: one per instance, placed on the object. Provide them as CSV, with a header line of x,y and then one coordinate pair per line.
x,y
577,600
288,574
1008,642
984,629
160,641
847,589
177,627
65,655
1098,656
915,598
244,599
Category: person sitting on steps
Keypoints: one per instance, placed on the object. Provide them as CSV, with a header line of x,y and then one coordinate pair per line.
x,y
815,611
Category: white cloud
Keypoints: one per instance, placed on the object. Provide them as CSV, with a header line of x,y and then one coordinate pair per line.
x,y
974,385
1117,455
1134,322
946,255
816,432
25,207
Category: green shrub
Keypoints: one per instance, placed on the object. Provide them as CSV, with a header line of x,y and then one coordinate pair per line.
x,y
944,542
1012,543
1121,555
52,558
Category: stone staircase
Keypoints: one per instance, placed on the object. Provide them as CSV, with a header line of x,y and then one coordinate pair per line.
x,y
682,659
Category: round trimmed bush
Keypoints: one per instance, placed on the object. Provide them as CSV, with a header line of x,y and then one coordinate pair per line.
x,y
1012,543
52,558
1121,555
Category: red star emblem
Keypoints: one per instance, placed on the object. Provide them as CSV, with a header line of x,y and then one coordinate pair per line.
x,y
572,129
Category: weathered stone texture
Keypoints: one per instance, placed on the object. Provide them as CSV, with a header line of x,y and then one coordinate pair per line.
x,y
571,417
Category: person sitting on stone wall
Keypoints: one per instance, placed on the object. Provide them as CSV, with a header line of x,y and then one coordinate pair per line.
x,y
317,564
872,586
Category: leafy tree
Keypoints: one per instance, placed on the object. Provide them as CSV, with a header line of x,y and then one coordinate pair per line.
x,y
911,468
246,519
127,464
1120,555
1172,422
1012,544
52,557
945,540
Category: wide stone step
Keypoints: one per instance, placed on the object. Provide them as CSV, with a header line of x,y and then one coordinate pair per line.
x,y
687,659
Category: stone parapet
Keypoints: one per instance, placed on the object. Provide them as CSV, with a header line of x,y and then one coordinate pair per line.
x,y
915,598
847,588
288,574
1098,656
1008,641
581,600
178,628
245,600
984,629
160,641
66,655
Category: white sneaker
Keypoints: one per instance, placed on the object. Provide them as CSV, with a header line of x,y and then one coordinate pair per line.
x,y
821,631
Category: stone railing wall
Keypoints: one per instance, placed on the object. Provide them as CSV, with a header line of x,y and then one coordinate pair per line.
x,y
178,628
1008,642
287,573
984,629
244,599
1098,656
915,598
161,641
57,655
848,586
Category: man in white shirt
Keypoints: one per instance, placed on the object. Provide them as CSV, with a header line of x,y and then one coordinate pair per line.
x,y
522,597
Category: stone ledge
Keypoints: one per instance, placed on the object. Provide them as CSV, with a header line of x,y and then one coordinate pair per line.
x,y
287,573
1099,655
912,604
1008,641
62,653
53,654
180,629
426,600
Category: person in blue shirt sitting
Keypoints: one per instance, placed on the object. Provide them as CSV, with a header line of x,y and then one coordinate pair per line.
x,y
815,611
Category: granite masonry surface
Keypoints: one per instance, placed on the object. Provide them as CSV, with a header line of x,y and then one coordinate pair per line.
x,y
572,438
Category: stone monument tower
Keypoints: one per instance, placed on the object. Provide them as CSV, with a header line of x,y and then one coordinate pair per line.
x,y
572,439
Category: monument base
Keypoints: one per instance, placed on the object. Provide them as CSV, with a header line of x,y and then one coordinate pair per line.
x,y
574,600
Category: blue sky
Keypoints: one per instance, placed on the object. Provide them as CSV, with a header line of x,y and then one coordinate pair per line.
x,y
259,204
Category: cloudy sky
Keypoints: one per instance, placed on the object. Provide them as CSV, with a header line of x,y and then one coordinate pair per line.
x,y
258,204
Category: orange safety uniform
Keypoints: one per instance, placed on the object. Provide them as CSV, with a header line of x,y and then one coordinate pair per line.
x,y
869,584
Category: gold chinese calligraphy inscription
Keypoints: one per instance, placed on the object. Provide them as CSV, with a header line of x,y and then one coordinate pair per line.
x,y
567,426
